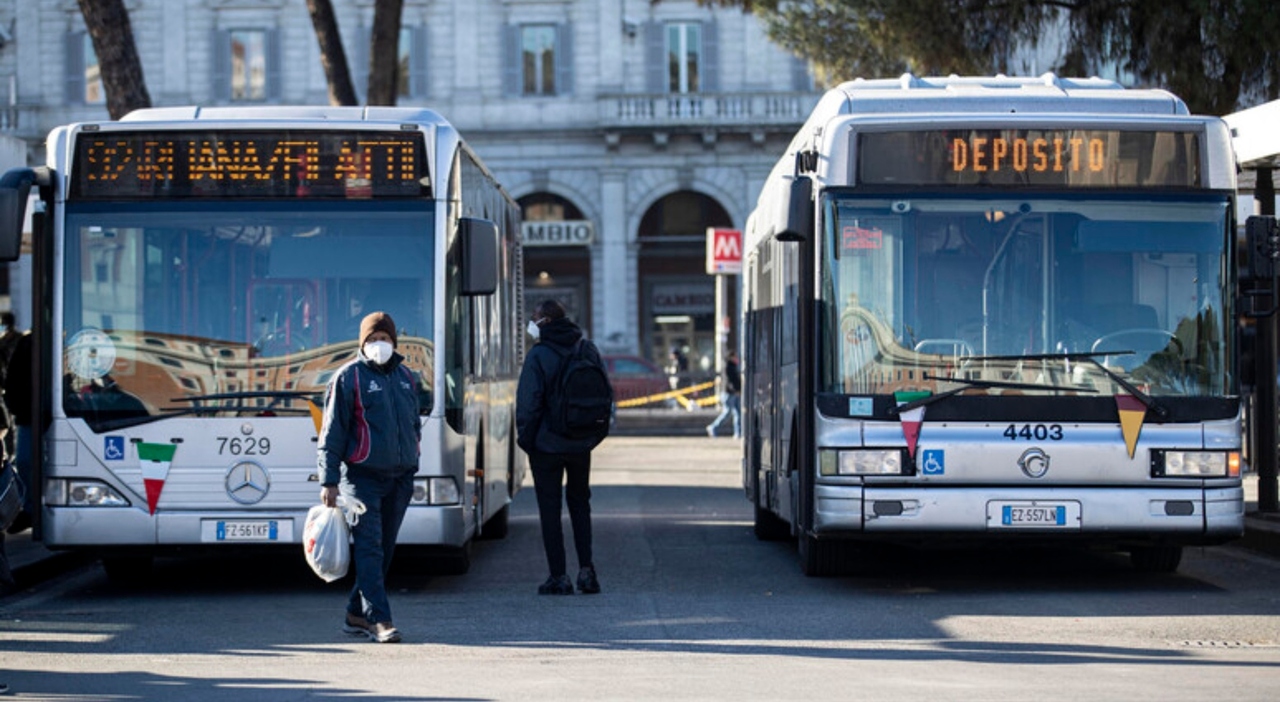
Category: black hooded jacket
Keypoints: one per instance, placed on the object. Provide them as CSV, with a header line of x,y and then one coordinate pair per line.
x,y
541,366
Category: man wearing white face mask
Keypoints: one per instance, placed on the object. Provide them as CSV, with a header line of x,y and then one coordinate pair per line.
x,y
369,449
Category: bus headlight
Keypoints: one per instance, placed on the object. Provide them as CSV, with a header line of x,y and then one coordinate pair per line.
x,y
435,491
860,462
1195,464
82,493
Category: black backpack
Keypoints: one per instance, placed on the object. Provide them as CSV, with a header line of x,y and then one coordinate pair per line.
x,y
580,397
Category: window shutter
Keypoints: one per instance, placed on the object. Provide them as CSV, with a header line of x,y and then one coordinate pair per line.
x,y
359,62
564,59
419,80
75,68
801,81
710,58
656,70
275,79
511,60
221,65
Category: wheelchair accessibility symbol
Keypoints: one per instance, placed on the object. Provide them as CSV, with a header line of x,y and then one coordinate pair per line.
x,y
933,462
113,450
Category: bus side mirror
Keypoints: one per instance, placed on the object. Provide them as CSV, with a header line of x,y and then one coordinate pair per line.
x,y
1262,240
798,225
479,238
15,186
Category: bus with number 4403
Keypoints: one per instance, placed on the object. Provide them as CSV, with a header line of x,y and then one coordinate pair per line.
x,y
200,275
995,309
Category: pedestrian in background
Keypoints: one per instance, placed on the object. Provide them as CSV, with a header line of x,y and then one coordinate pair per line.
x,y
19,390
369,449
9,336
730,396
557,462
677,372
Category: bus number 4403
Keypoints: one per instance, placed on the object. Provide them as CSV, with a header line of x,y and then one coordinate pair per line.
x,y
1039,432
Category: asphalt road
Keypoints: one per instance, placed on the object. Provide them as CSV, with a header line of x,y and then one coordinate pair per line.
x,y
693,608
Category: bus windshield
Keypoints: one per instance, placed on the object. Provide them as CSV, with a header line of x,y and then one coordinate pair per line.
x,y
1028,291
206,309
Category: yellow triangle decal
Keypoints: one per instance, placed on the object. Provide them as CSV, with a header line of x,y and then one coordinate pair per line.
x,y
1132,414
1131,425
317,415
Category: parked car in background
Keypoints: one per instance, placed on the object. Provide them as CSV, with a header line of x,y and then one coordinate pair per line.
x,y
634,377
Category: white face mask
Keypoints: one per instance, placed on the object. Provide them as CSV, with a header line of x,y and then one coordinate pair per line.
x,y
533,329
379,351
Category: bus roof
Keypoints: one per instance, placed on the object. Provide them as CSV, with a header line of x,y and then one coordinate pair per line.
x,y
402,115
994,94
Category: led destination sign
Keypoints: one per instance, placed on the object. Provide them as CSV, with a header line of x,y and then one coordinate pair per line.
x,y
1073,158
258,164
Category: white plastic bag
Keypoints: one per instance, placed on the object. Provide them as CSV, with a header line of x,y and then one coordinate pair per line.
x,y
326,538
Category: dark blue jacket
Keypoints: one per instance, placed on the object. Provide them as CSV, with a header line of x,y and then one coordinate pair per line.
x,y
370,420
541,366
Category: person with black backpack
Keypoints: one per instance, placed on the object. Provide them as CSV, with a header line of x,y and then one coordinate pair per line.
x,y
564,406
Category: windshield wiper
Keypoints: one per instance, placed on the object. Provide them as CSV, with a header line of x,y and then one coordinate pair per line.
x,y
125,423
248,395
966,384
116,424
1092,357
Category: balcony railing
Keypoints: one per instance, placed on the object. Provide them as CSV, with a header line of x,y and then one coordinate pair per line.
x,y
705,109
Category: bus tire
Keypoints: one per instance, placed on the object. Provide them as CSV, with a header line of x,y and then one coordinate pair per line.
x,y
819,558
127,570
498,526
455,561
768,527
1156,559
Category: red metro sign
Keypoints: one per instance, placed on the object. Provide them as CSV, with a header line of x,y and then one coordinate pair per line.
x,y
724,251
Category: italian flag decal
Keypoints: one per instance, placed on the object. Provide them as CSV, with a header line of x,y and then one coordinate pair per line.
x,y
155,460
911,419
1132,414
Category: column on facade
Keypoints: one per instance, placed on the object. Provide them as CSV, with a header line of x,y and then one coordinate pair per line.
x,y
615,299
173,79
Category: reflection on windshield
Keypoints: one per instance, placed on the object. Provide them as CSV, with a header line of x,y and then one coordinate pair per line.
x,y
936,287
219,313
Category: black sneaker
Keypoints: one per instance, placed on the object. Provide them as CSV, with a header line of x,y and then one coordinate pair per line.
x,y
556,585
20,524
587,583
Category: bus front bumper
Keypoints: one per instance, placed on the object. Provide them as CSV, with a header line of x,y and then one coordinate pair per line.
x,y
110,527
1191,514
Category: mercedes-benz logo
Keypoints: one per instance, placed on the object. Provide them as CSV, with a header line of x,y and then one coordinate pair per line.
x,y
1034,462
247,483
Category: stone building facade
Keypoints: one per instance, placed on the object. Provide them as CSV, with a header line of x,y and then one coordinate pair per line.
x,y
625,128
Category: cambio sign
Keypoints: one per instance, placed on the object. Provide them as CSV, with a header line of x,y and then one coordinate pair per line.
x,y
579,232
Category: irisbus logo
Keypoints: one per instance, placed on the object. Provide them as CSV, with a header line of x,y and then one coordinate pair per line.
x,y
1034,463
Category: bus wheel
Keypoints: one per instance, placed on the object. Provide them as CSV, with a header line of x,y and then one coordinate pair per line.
x,y
498,526
768,527
127,570
1156,559
819,557
455,561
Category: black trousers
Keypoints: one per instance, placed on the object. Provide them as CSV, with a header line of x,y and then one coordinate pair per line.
x,y
549,474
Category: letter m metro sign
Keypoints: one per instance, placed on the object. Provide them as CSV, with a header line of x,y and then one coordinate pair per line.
x,y
724,251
